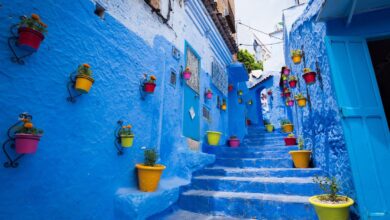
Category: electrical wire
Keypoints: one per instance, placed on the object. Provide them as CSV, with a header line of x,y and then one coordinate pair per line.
x,y
239,22
261,44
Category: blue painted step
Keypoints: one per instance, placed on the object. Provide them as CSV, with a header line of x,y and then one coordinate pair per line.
x,y
248,205
258,154
271,185
263,172
268,162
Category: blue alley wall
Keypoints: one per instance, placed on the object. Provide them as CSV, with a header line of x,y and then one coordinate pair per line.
x,y
320,126
237,111
76,166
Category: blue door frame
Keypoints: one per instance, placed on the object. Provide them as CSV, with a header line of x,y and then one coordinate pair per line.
x,y
191,125
364,123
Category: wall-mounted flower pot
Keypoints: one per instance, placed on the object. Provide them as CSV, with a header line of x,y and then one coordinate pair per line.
x,y
213,137
234,142
223,107
230,88
26,143
293,83
149,177
240,92
287,128
209,95
297,59
269,128
325,211
301,102
287,94
290,102
29,38
269,92
301,158
286,71
83,83
149,87
127,140
248,122
187,74
309,77
290,141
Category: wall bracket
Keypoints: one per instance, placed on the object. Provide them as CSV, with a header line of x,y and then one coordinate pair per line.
x,y
12,43
70,86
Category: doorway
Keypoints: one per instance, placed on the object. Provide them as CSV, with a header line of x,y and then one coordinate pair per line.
x,y
380,57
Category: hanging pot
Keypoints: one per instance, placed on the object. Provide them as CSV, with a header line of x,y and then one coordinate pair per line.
x,y
293,83
29,39
286,71
297,59
187,75
309,77
209,95
301,102
83,83
26,143
149,87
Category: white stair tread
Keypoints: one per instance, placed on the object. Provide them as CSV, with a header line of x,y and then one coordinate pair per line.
x,y
240,170
186,215
246,195
299,180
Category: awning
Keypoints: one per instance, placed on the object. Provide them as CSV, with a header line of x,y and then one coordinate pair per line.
x,y
332,9
237,72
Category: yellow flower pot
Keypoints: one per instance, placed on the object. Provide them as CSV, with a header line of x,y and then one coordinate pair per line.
x,y
297,59
301,158
269,128
127,140
288,128
149,177
331,211
223,107
213,137
301,102
83,83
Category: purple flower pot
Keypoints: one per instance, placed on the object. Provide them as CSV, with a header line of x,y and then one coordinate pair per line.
x,y
290,103
186,75
26,143
234,142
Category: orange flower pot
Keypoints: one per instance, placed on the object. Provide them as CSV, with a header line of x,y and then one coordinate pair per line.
x,y
301,158
301,102
83,83
149,177
296,59
288,128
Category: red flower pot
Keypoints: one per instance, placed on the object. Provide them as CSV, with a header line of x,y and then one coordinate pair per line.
x,y
269,93
248,122
209,95
149,87
26,143
287,94
186,75
230,88
293,83
29,39
290,141
309,77
234,142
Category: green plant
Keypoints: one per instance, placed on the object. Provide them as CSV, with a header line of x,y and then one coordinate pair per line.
x,y
330,187
34,22
296,53
292,78
233,137
291,135
285,122
307,70
301,143
28,128
299,96
249,61
125,130
150,157
266,122
84,69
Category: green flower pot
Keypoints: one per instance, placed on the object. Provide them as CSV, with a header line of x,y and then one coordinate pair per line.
x,y
331,211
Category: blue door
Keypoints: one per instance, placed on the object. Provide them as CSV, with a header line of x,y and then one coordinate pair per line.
x,y
191,120
365,128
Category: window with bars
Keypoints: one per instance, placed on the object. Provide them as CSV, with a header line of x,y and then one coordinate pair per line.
x,y
193,63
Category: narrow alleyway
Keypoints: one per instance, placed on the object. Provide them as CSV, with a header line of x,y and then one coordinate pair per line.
x,y
255,180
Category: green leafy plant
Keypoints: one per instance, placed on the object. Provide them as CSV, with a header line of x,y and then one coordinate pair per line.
x,y
285,122
307,70
34,22
125,130
150,157
28,128
330,187
249,61
266,122
301,143
292,78
291,135
84,69
296,53
299,96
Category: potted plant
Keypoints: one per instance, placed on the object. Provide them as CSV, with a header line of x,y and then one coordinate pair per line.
x,y
286,92
239,100
287,126
286,71
284,79
27,137
187,74
301,100
290,140
209,94
330,205
300,157
223,105
126,135
269,92
234,141
292,81
31,32
248,122
149,85
296,56
250,102
230,87
213,137
84,78
289,101
268,126
309,76
240,92
149,173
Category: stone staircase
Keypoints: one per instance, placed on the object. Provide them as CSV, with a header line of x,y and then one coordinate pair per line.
x,y
254,181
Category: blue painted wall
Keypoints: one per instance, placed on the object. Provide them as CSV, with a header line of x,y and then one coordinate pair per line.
x,y
237,111
76,166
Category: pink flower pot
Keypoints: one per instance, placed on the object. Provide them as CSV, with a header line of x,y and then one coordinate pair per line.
x,y
26,143
286,72
290,103
186,75
290,141
209,95
234,142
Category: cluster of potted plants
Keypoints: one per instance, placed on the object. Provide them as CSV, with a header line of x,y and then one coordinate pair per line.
x,y
186,74
296,56
27,137
268,126
330,205
208,94
84,79
287,126
309,76
213,137
31,32
149,173
149,84
234,141
301,157
126,135
290,140
301,100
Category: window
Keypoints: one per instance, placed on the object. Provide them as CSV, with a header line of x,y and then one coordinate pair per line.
x,y
193,62
219,77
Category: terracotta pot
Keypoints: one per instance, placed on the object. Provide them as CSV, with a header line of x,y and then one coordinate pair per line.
x,y
29,39
310,77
